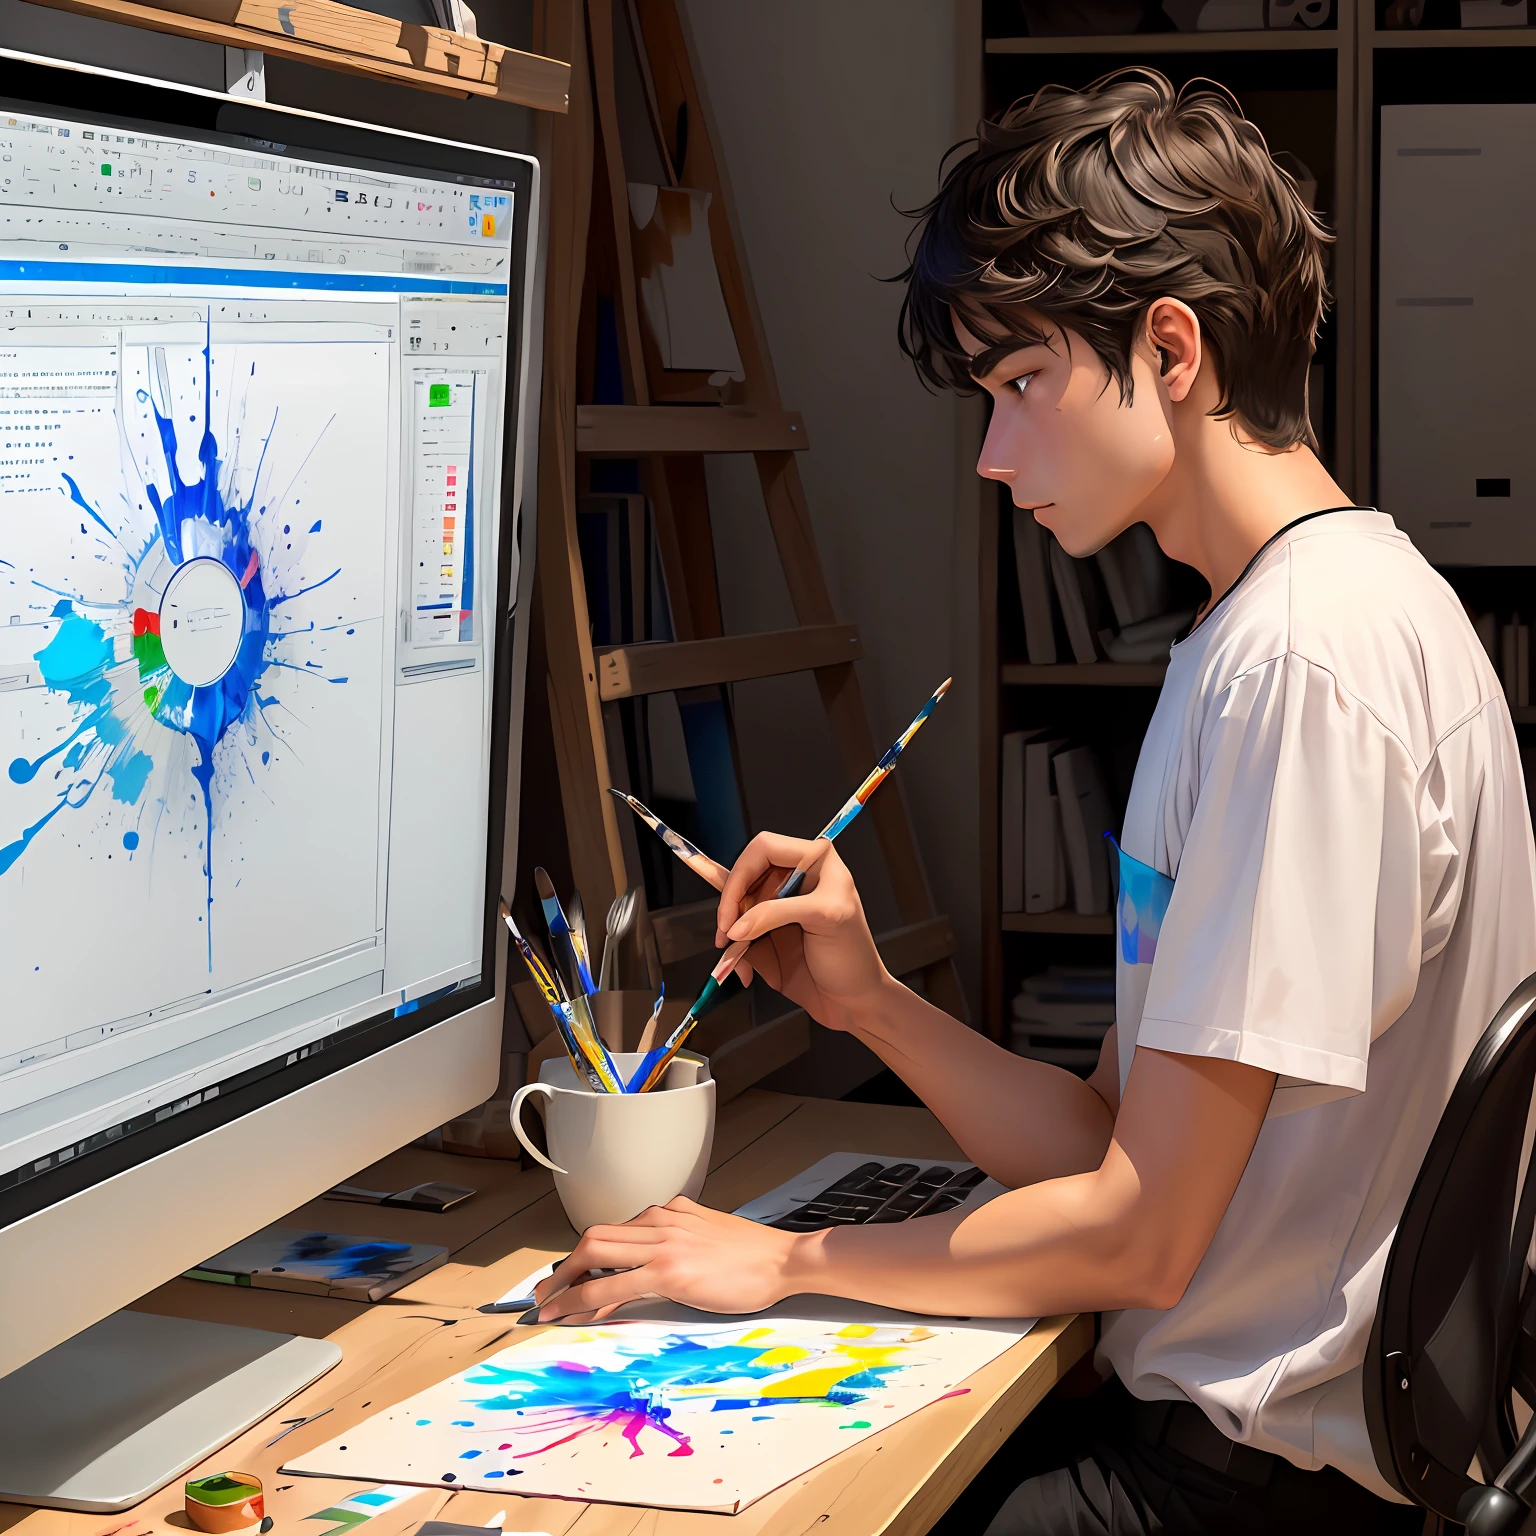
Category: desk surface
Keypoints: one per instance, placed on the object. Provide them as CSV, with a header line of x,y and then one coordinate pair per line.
x,y
899,1481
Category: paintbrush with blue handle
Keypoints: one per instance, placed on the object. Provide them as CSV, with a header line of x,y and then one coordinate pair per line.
x,y
568,959
564,1024
648,1073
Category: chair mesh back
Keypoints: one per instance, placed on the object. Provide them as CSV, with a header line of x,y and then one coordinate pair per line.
x,y
1438,1364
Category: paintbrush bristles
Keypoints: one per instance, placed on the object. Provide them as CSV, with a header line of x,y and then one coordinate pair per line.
x,y
543,884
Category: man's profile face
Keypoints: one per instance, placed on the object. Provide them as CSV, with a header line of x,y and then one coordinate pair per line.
x,y
1065,445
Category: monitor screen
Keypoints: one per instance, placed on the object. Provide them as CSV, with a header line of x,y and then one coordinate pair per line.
x,y
256,547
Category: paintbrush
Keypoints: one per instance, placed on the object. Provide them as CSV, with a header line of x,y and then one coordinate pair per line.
x,y
564,1026
563,945
648,1034
700,863
649,1071
561,937
578,920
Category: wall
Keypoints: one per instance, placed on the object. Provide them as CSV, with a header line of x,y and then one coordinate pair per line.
x,y
828,115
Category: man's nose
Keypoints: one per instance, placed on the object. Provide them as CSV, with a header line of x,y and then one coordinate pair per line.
x,y
994,463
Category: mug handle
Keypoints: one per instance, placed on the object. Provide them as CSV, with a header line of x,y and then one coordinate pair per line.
x,y
517,1122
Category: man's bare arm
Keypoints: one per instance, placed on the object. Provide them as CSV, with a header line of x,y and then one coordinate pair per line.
x,y
1020,1120
1129,1234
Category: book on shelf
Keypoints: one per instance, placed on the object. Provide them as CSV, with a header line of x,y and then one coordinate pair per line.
x,y
1033,878
1508,644
1011,821
1137,576
1079,599
1045,866
1062,1014
626,597
627,604
1119,604
1085,818
1032,562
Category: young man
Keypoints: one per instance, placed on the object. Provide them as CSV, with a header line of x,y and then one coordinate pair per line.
x,y
1328,800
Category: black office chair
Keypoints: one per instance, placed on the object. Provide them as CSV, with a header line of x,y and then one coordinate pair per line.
x,y
1455,1329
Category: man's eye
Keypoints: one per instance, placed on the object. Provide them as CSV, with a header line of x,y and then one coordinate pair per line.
x,y
1020,384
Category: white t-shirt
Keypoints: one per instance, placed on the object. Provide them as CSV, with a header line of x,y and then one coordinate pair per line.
x,y
1332,779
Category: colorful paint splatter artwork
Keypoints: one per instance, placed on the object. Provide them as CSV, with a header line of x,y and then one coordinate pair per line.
x,y
706,1416
192,594
198,565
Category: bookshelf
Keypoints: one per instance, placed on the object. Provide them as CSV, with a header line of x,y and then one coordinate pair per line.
x,y
1318,94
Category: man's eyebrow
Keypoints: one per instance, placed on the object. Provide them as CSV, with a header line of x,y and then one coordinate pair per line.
x,y
990,358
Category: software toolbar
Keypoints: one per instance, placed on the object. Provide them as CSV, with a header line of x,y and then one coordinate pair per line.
x,y
147,191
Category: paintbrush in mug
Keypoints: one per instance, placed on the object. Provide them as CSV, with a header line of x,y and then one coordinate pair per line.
x,y
562,938
577,917
655,1063
557,1006
563,945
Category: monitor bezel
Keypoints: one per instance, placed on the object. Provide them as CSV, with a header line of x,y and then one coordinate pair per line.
x,y
123,103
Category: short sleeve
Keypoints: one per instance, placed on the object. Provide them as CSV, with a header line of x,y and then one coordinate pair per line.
x,y
1293,936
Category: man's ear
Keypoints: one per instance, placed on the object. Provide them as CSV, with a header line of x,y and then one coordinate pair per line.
x,y
1173,338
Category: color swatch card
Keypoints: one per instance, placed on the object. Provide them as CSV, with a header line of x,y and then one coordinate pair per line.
x,y
443,509
321,1263
676,1415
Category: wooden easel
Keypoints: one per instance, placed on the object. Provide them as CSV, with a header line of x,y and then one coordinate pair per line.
x,y
590,221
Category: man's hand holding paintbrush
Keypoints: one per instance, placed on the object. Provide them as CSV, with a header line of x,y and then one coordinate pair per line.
x,y
806,874
779,957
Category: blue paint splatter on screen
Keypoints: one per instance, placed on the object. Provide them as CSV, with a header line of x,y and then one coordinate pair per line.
x,y
107,659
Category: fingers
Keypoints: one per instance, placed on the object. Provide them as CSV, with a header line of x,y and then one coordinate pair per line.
x,y
593,1296
819,913
766,851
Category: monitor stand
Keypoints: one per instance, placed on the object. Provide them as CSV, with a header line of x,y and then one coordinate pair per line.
x,y
109,1416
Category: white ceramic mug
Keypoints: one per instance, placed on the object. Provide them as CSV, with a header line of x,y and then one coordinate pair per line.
x,y
615,1154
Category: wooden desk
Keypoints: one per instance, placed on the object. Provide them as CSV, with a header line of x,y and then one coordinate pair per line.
x,y
899,1481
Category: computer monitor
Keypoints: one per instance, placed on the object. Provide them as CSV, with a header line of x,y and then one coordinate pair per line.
x,y
263,397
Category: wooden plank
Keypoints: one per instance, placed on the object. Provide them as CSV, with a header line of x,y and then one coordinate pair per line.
x,y
744,1062
624,431
1440,37
356,42
623,671
685,930
605,99
592,831
1075,674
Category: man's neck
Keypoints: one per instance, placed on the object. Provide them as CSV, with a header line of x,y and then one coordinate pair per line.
x,y
1228,495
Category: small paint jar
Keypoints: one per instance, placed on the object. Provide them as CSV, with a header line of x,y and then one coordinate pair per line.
x,y
227,1504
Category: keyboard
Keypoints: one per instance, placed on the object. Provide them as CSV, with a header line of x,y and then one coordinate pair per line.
x,y
875,1193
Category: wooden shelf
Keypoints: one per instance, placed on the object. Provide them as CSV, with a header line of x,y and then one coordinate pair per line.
x,y
1100,674
625,671
1471,37
353,41
1288,39
1057,922
625,431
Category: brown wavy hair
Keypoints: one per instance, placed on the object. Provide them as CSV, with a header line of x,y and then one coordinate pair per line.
x,y
1088,205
